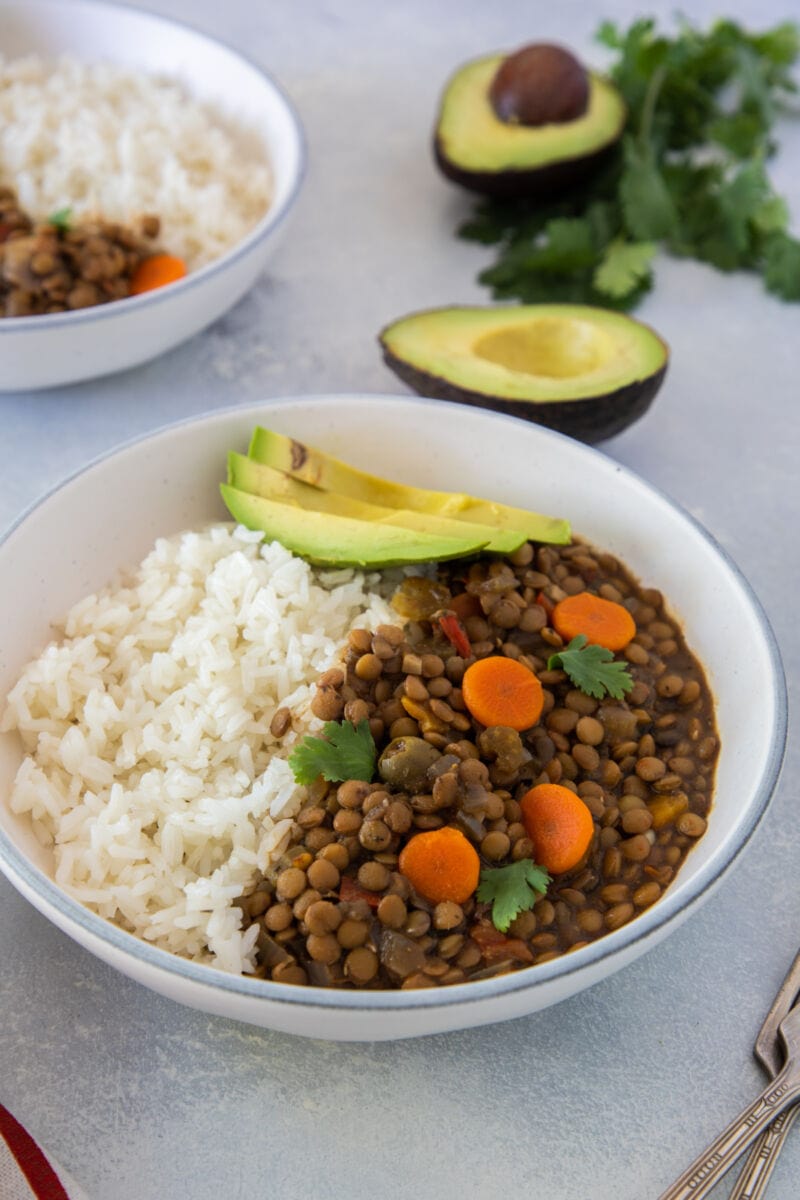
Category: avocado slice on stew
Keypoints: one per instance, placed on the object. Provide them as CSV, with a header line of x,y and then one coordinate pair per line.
x,y
260,480
330,540
327,473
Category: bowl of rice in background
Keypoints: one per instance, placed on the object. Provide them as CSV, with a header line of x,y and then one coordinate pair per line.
x,y
147,642
115,113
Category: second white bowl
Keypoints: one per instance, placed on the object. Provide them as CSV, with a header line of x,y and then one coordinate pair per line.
x,y
47,351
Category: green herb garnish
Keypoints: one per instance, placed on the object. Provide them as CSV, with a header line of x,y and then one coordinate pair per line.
x,y
592,669
512,890
61,219
689,175
344,751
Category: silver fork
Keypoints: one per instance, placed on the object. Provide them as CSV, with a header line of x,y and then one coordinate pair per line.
x,y
707,1169
760,1162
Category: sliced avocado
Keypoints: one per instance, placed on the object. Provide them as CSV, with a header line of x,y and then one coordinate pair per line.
x,y
321,470
260,480
475,147
333,541
588,372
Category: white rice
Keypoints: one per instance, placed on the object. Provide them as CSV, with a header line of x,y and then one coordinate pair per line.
x,y
150,767
108,141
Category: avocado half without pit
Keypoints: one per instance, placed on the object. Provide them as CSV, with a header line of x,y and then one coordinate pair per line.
x,y
587,372
530,123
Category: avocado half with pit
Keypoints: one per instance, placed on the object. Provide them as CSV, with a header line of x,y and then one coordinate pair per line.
x,y
587,372
503,149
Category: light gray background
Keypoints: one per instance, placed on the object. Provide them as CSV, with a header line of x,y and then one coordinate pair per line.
x,y
608,1095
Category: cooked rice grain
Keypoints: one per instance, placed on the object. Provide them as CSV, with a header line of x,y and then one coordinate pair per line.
x,y
150,764
104,140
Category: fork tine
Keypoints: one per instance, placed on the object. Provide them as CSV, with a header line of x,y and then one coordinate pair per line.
x,y
768,1046
760,1162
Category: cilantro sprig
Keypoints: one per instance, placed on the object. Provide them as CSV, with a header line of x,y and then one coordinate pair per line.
x,y
61,219
689,175
343,751
512,890
592,669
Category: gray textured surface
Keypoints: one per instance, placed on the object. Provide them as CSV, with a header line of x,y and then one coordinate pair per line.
x,y
610,1094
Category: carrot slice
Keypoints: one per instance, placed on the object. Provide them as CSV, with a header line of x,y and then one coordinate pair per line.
x,y
155,272
441,864
603,622
501,691
559,824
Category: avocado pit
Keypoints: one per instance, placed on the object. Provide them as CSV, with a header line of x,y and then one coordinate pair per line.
x,y
540,84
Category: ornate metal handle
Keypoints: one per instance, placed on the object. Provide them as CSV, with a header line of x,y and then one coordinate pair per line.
x,y
698,1179
760,1163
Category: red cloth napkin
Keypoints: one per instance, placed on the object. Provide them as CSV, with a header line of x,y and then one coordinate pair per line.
x,y
26,1173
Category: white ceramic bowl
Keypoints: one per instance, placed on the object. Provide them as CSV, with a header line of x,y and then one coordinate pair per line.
x,y
107,517
47,351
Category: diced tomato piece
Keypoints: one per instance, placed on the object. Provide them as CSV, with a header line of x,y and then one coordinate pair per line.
x,y
350,890
494,945
485,934
510,948
456,634
465,604
546,604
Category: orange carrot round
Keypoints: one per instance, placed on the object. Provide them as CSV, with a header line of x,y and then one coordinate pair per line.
x,y
602,622
501,691
441,864
559,824
155,272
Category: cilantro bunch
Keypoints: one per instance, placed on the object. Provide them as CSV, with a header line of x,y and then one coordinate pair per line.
x,y
689,175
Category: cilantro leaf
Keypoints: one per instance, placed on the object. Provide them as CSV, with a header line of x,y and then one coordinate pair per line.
x,y
61,219
512,890
344,751
646,200
592,669
566,245
741,198
625,267
782,266
771,216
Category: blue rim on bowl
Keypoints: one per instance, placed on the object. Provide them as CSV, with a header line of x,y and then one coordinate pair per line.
x,y
650,925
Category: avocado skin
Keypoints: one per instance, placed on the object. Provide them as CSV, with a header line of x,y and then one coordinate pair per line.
x,y
589,420
539,183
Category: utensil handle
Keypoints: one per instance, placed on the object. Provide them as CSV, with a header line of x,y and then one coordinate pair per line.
x,y
760,1163
707,1169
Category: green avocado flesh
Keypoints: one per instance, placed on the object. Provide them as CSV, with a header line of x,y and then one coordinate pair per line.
x,y
261,480
330,540
324,472
542,353
471,137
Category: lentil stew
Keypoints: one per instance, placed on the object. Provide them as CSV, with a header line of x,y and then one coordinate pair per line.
x,y
338,910
58,266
